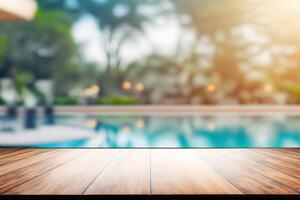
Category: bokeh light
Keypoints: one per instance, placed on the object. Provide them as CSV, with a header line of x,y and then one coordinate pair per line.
x,y
126,85
140,123
211,88
269,88
139,87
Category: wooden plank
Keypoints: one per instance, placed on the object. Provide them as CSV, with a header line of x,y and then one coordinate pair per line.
x,y
246,180
23,154
129,173
294,161
72,178
32,159
182,172
164,171
273,162
4,151
295,151
18,177
255,167
9,149
13,152
291,156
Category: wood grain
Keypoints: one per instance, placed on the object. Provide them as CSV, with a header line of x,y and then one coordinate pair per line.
x,y
150,171
25,174
5,151
242,175
289,168
128,173
292,151
72,178
19,155
34,156
256,167
283,155
181,172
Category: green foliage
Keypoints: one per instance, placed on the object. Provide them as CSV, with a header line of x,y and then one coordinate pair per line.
x,y
117,100
294,90
120,22
22,80
3,47
45,48
65,101
2,102
41,46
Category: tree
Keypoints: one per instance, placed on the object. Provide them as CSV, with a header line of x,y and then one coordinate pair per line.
x,y
215,20
119,22
42,47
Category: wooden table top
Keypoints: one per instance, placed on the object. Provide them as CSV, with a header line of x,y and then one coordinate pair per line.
x,y
149,171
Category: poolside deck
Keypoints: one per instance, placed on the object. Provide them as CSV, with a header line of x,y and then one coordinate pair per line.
x,y
149,171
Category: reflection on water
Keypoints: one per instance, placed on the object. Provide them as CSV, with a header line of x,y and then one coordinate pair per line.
x,y
235,131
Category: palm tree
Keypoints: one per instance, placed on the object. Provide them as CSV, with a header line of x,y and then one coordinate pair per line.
x,y
119,22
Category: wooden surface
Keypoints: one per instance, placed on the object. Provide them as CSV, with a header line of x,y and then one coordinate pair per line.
x,y
149,171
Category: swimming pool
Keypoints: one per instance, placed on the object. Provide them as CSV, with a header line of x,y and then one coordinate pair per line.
x,y
156,131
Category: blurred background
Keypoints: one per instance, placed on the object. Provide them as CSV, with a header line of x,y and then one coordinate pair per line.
x,y
127,52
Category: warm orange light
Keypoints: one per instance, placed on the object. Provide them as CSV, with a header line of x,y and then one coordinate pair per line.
x,y
211,88
139,87
269,88
140,123
126,85
93,90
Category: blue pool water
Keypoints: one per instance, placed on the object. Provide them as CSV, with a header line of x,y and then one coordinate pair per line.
x,y
154,131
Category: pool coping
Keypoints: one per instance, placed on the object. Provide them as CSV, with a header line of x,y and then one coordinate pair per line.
x,y
173,109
